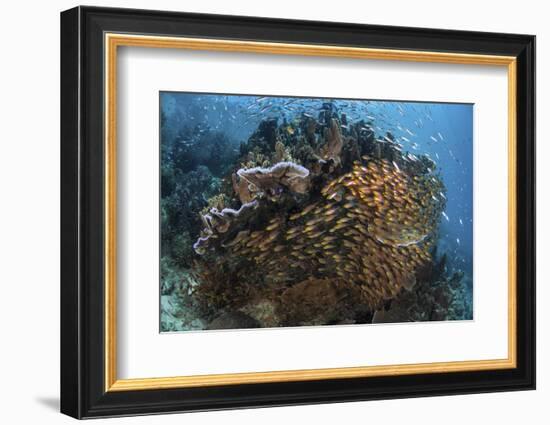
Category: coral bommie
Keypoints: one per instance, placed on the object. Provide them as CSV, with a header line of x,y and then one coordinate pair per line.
x,y
352,210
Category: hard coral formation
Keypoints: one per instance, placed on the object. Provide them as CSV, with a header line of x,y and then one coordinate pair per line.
x,y
351,223
271,181
333,146
242,188
219,222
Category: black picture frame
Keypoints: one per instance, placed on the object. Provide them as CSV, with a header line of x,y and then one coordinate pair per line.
x,y
83,392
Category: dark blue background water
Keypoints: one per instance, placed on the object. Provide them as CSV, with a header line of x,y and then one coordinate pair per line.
x,y
442,131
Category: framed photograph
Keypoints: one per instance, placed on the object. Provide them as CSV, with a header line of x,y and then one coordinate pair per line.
x,y
261,212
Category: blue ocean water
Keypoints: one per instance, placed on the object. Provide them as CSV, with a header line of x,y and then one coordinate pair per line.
x,y
442,131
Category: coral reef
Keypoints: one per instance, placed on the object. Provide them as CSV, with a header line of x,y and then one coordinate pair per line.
x,y
313,221
184,196
437,297
319,302
194,159
179,309
329,238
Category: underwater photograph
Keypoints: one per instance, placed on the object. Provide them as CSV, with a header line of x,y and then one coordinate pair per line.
x,y
302,211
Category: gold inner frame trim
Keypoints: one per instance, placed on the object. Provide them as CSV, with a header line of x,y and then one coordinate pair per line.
x,y
113,41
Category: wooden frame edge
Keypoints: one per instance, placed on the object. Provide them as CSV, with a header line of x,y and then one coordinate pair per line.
x,y
114,40
306,375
